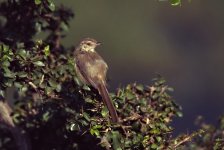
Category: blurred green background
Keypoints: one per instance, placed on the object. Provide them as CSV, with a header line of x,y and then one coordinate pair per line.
x,y
141,38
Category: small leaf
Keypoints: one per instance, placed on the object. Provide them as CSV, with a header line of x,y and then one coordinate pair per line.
x,y
89,100
37,2
154,146
46,116
94,132
129,95
8,83
53,83
84,122
179,114
74,127
104,112
5,63
38,27
116,140
158,138
58,88
175,2
18,85
140,87
85,87
64,26
48,90
8,73
2,93
86,116
5,48
39,63
51,5
47,50
24,89
97,126
170,89
22,53
22,74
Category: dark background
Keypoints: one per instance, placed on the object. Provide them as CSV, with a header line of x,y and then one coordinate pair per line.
x,y
141,38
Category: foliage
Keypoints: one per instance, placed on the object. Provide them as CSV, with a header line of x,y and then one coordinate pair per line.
x,y
52,109
212,138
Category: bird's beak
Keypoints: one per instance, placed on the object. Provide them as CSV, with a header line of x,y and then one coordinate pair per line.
x,y
98,43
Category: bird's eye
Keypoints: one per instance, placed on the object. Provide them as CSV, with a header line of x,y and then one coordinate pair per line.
x,y
88,44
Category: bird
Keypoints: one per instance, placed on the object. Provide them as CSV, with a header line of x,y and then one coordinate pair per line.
x,y
91,69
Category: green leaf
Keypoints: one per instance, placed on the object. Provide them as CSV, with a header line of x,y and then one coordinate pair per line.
x,y
8,73
7,57
24,89
5,63
85,87
84,122
158,138
97,126
140,87
18,85
175,2
47,50
37,2
39,63
116,140
94,132
53,83
51,5
58,88
75,127
8,83
2,93
64,26
86,116
48,90
5,48
38,27
129,95
22,74
154,146
22,53
104,112
89,100
46,116
179,114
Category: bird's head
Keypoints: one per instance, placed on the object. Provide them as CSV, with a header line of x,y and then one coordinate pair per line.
x,y
88,45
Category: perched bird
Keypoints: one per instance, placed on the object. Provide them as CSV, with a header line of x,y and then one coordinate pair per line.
x,y
91,69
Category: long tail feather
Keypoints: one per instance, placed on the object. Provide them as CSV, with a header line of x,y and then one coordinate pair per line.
x,y
107,101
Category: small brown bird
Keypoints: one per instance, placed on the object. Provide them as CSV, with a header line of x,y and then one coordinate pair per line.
x,y
92,69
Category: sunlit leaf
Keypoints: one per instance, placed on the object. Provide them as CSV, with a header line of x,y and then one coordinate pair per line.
x,y
175,2
37,2
51,5
104,112
22,53
47,50
39,63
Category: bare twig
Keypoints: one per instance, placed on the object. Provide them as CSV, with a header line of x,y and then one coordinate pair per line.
x,y
185,139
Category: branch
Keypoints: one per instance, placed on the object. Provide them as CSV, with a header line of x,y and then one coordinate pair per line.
x,y
6,120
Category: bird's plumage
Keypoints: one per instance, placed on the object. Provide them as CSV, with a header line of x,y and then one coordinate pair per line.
x,y
92,70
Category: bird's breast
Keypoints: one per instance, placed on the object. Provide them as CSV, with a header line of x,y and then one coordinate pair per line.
x,y
96,68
